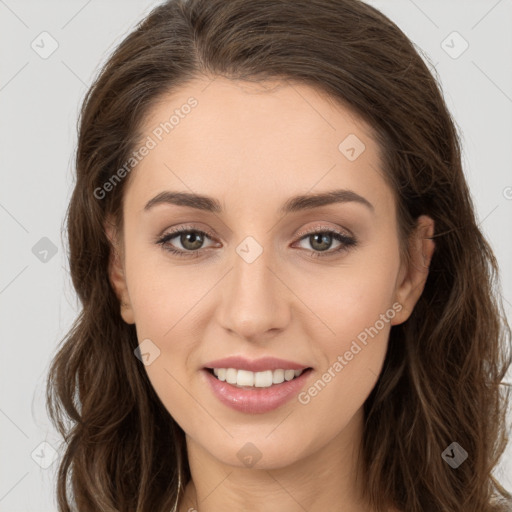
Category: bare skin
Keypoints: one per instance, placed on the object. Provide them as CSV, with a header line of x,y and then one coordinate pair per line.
x,y
253,149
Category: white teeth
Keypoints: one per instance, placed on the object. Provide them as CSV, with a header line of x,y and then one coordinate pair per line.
x,y
263,379
277,376
244,378
289,374
231,374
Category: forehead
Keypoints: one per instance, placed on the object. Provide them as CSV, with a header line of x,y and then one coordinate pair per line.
x,y
244,142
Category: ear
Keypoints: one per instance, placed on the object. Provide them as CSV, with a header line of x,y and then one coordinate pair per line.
x,y
413,274
116,272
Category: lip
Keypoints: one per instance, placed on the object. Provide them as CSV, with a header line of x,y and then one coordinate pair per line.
x,y
256,400
256,365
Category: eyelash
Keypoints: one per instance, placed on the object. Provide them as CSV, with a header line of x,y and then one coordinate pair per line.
x,y
347,242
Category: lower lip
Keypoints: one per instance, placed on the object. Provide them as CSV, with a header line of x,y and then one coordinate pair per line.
x,y
257,400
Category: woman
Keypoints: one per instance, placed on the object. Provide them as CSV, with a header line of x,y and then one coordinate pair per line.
x,y
287,301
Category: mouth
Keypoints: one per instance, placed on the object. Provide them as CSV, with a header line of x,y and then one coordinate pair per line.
x,y
246,379
250,392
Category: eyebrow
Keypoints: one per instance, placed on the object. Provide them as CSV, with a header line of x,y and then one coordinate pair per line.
x,y
294,204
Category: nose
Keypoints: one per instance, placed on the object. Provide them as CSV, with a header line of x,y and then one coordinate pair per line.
x,y
254,300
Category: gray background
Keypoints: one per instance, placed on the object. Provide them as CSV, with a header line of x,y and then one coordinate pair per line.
x,y
39,101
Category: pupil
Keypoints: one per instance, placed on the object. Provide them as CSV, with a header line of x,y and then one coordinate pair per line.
x,y
195,240
324,237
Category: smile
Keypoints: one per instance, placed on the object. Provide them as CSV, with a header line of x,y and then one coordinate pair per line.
x,y
254,399
246,378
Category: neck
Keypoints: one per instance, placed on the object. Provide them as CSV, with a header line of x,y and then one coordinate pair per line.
x,y
328,475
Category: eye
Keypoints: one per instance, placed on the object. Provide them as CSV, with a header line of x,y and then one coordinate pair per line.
x,y
192,240
320,238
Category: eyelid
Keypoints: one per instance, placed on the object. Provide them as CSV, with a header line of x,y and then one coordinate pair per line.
x,y
186,228
311,230
320,227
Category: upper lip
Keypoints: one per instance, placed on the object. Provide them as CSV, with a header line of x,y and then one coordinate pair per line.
x,y
255,365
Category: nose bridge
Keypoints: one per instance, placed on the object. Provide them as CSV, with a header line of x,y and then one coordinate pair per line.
x,y
252,267
253,301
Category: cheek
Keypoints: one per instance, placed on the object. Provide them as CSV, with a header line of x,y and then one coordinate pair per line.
x,y
353,350
351,298
163,301
173,308
339,303
351,356
161,292
343,314
356,307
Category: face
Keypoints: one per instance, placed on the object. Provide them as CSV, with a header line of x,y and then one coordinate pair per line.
x,y
256,274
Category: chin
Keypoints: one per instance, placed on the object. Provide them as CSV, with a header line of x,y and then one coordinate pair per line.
x,y
257,452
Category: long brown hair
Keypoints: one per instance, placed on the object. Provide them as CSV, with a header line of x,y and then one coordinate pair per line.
x,y
441,377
